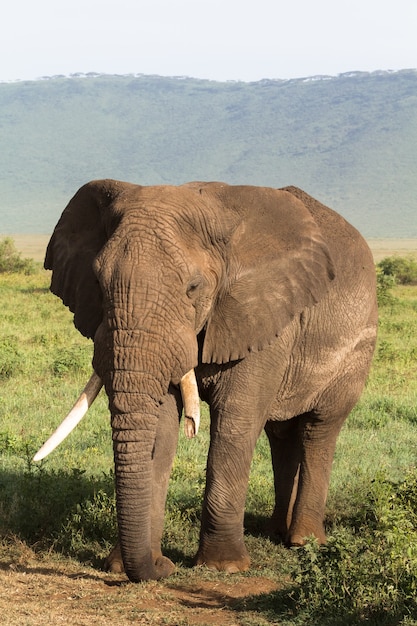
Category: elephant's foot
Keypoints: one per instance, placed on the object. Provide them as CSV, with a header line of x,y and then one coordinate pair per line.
x,y
221,565
163,565
224,559
303,528
114,563
277,529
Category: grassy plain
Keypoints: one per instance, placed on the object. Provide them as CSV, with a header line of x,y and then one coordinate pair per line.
x,y
382,248
31,246
57,519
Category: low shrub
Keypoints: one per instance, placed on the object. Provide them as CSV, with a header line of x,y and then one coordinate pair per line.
x,y
11,260
402,269
90,528
384,285
66,508
370,572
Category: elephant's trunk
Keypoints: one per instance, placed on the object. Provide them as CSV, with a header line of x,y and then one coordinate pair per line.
x,y
137,378
133,444
144,344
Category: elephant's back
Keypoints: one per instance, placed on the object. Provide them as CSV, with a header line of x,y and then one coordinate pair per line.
x,y
347,246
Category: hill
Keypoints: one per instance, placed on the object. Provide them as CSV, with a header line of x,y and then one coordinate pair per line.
x,y
349,140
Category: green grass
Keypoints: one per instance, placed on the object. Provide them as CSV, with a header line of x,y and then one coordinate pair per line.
x,y
65,505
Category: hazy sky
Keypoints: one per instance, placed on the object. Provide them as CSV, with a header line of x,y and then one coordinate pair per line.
x,y
216,39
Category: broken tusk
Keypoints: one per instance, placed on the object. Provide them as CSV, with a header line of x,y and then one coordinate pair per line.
x,y
80,408
191,401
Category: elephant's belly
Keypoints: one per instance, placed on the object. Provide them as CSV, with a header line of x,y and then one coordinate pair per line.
x,y
314,379
294,401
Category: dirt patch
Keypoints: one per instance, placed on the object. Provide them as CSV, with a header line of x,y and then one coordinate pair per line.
x,y
38,592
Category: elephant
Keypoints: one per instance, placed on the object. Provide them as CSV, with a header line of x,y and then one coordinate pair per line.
x,y
260,301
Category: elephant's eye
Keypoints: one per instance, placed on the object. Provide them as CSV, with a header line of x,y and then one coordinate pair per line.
x,y
194,285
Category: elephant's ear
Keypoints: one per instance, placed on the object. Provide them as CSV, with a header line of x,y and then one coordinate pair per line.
x,y
82,230
278,264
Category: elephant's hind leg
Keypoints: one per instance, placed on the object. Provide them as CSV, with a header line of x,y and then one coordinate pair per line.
x,y
285,445
316,439
317,436
302,452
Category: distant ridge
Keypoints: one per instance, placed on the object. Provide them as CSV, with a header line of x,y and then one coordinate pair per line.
x,y
350,140
315,77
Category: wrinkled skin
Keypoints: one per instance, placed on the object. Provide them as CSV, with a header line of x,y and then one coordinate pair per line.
x,y
269,295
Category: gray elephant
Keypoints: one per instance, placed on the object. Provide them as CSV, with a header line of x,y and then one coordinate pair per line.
x,y
268,296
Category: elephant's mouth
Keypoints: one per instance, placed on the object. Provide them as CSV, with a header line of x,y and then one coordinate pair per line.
x,y
190,398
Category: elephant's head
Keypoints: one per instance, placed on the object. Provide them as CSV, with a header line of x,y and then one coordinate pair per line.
x,y
147,270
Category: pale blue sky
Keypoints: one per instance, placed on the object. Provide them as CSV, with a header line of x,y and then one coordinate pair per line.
x,y
215,39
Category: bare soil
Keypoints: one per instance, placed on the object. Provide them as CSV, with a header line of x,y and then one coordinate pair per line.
x,y
38,591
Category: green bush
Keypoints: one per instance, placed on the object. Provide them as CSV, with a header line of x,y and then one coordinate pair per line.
x,y
11,260
369,573
402,269
384,285
92,523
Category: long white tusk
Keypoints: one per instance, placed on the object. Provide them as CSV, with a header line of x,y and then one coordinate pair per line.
x,y
80,408
191,401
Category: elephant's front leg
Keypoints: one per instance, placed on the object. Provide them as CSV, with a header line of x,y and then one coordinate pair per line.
x,y
163,456
231,449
